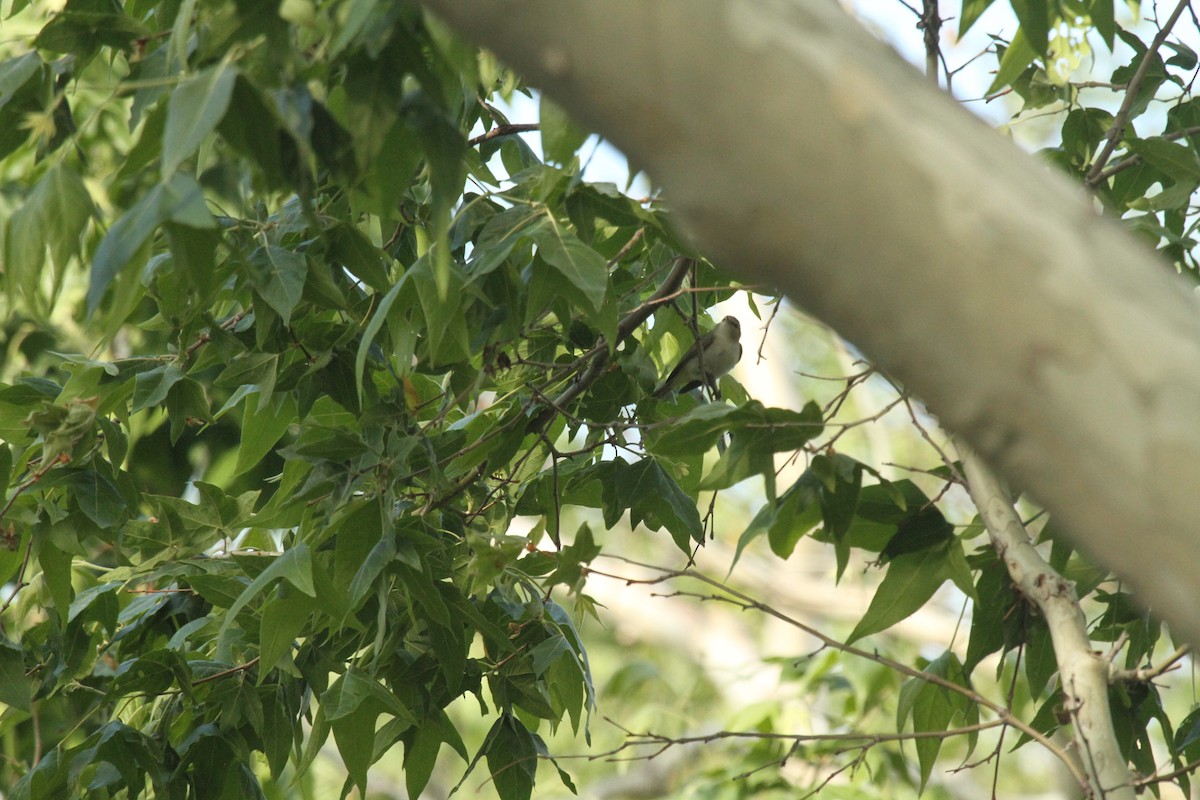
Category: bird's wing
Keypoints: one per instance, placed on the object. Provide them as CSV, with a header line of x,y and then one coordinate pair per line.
x,y
684,363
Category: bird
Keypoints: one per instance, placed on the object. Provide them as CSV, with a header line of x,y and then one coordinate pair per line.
x,y
715,353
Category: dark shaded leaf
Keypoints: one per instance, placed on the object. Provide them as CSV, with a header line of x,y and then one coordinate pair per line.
x,y
651,497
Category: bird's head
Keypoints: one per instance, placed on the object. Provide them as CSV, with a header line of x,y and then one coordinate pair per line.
x,y
731,323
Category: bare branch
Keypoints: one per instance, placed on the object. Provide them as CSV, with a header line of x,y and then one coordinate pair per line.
x,y
1082,672
1145,674
503,130
728,594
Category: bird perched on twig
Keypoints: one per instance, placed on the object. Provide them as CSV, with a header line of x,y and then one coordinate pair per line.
x,y
712,355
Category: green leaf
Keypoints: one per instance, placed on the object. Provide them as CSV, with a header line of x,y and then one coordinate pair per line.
x,y
421,750
152,674
262,429
911,580
935,709
365,545
123,239
15,686
588,203
561,138
500,236
193,112
55,215
378,318
253,371
1083,130
444,146
350,249
279,276
150,388
187,404
925,527
970,11
82,28
786,521
1017,56
96,604
1154,76
995,620
278,729
356,690
250,126
98,497
182,201
570,560
581,668
283,618
1040,662
1176,160
1133,707
1184,58
66,208
652,497
760,433
1104,19
423,589
178,200
396,163
56,571
445,322
354,734
295,566
221,591
696,431
12,551
511,758
1186,742
14,72
581,265
1034,16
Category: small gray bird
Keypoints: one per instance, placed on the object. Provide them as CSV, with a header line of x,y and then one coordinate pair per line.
x,y
721,348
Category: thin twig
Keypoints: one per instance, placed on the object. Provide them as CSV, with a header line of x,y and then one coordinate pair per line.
x,y
867,740
1131,91
1170,776
931,24
744,601
503,130
1146,674
598,356
1136,158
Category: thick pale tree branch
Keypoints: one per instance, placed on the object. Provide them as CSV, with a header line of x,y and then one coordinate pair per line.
x,y
1082,672
800,152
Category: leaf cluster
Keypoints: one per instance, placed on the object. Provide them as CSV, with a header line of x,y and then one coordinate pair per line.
x,y
298,326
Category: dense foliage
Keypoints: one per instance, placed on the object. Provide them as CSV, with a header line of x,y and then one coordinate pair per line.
x,y
297,324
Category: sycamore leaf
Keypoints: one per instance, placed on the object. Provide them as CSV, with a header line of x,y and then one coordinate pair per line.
x,y
651,497
194,111
910,581
934,709
581,265
279,276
